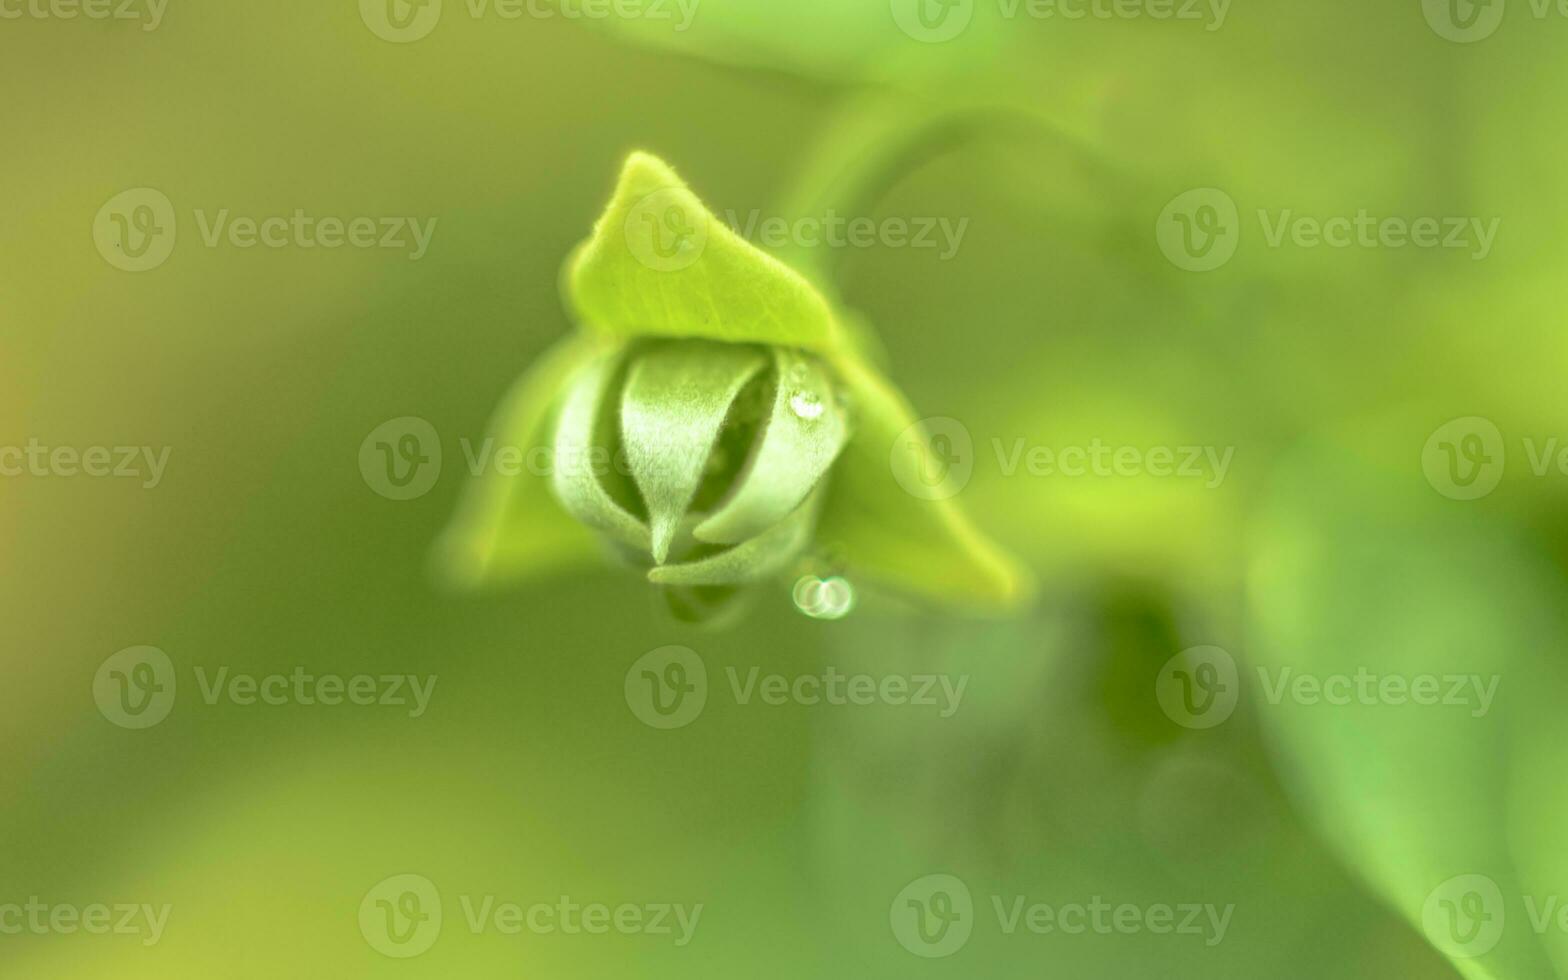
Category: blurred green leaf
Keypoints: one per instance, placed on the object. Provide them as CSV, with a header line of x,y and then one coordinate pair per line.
x,y
1361,569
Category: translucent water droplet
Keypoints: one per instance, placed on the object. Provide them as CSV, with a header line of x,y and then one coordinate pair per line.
x,y
807,404
829,598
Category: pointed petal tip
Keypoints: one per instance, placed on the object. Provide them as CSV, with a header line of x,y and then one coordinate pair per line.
x,y
663,537
645,171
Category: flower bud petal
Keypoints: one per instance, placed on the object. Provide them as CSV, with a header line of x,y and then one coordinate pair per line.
x,y
676,399
580,448
758,558
802,437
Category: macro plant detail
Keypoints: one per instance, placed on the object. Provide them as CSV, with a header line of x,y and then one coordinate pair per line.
x,y
715,422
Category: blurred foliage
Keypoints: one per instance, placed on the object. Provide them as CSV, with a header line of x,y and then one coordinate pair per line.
x,y
1058,322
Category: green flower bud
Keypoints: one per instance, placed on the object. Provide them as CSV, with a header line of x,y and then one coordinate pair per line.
x,y
698,419
720,455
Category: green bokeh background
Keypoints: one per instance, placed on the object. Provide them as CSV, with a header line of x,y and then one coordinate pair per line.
x,y
1058,322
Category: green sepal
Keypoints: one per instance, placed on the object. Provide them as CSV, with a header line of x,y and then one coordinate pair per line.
x,y
510,526
884,534
659,264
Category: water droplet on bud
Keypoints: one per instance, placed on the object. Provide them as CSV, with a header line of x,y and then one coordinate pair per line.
x,y
807,404
829,598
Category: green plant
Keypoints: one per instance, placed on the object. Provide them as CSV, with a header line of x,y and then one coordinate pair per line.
x,y
718,422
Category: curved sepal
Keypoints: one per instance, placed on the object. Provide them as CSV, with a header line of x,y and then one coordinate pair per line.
x,y
660,264
883,532
508,525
